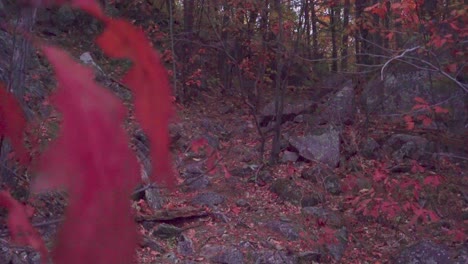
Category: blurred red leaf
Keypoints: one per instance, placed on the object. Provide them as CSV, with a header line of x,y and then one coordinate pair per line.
x,y
433,180
420,100
92,160
20,228
12,123
440,110
409,122
149,82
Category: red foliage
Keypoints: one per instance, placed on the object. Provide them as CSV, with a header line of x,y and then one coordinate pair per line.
x,y
18,222
12,123
92,160
149,82
91,157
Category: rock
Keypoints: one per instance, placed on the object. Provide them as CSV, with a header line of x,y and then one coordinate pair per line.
x,y
299,119
274,257
308,257
152,244
185,246
332,185
196,183
337,249
222,254
166,231
290,111
209,199
311,200
87,59
288,230
289,156
65,18
369,148
226,109
318,173
330,217
241,171
462,255
287,190
341,108
242,203
323,148
402,146
193,169
397,91
424,252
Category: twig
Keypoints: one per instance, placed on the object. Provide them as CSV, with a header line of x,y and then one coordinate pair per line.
x,y
395,58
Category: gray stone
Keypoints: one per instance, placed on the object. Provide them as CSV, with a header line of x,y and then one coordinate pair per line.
x,y
337,249
323,148
330,217
332,185
424,252
308,257
341,108
289,156
196,183
222,254
402,146
288,230
208,199
185,246
370,148
311,200
166,231
287,190
274,257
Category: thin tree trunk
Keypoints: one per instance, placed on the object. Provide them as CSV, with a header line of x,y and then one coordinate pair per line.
x,y
279,97
174,60
315,51
22,53
344,40
333,11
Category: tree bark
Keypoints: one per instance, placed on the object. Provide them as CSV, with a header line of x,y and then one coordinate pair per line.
x,y
344,40
279,89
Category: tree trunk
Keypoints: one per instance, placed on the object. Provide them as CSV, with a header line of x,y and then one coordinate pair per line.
x,y
333,22
344,40
279,89
22,53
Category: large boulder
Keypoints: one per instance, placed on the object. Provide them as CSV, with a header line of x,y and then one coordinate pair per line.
x,y
340,108
324,148
396,94
424,252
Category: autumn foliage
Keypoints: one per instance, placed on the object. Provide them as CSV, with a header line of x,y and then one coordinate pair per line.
x,y
91,158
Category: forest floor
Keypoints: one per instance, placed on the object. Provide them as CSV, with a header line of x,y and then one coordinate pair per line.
x,y
250,223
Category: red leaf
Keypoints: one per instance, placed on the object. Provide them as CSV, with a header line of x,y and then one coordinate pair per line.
x,y
420,100
452,68
149,82
199,143
426,120
92,160
20,228
409,122
434,180
12,122
440,110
